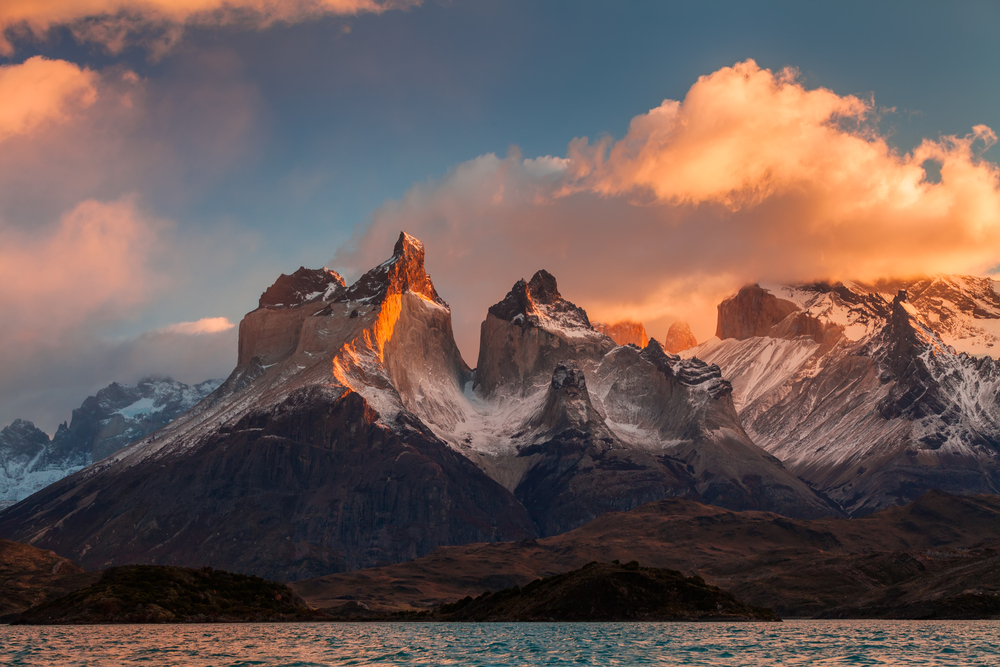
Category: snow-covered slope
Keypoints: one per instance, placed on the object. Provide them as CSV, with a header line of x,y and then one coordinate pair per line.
x,y
116,416
873,396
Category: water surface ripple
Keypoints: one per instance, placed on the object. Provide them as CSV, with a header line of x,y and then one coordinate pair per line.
x,y
816,643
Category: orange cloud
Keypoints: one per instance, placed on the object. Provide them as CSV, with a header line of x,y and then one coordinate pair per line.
x,y
159,23
751,176
41,91
740,135
206,325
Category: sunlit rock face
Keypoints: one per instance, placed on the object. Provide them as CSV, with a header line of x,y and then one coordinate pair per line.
x,y
874,393
625,332
753,311
679,338
271,333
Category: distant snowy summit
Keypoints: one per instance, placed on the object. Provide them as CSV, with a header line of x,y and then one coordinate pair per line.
x,y
103,424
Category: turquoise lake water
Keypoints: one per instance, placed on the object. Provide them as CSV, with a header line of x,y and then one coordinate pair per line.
x,y
818,643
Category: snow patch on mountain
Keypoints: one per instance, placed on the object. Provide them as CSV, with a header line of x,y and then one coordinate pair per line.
x,y
764,363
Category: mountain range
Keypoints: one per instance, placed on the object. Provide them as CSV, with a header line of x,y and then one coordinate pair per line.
x,y
352,433
873,393
116,416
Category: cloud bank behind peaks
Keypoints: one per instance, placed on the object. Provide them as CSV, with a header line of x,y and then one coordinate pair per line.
x,y
751,176
158,24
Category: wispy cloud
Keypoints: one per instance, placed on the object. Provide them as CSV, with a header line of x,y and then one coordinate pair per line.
x,y
159,24
751,176
206,325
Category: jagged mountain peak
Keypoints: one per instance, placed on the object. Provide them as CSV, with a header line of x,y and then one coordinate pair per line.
x,y
538,303
19,438
104,423
568,404
524,297
873,391
22,426
543,288
531,330
964,311
274,335
350,434
402,272
407,244
691,372
302,286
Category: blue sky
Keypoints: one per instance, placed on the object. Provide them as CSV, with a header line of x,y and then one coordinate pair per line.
x,y
264,147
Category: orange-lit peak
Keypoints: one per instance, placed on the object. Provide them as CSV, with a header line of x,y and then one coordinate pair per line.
x,y
679,338
407,245
624,332
404,271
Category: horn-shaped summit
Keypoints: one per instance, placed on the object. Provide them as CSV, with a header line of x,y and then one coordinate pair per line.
x,y
402,272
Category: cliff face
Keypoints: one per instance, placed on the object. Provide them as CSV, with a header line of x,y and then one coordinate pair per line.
x,y
576,467
576,425
529,332
752,311
272,332
625,332
352,434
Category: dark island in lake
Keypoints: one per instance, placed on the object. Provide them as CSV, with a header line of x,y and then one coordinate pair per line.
x,y
163,594
609,592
